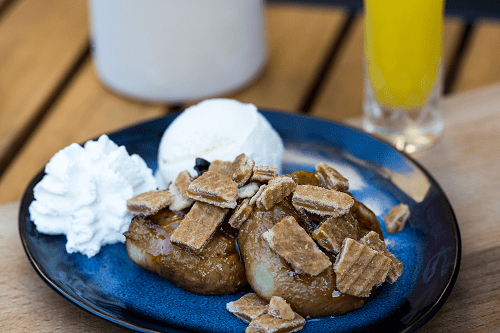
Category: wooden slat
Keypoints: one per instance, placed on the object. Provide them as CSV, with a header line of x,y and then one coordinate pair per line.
x,y
86,110
39,42
33,306
298,38
342,93
2,3
468,150
481,63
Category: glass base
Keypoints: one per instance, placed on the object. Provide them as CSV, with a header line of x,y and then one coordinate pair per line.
x,y
409,130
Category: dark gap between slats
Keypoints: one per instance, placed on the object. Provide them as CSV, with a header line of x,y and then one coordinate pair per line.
x,y
28,130
4,8
457,59
175,107
337,43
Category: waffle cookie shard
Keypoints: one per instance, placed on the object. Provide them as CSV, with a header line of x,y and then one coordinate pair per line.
x,y
248,307
198,227
373,240
331,232
241,214
263,174
241,169
248,190
179,191
331,178
292,243
275,191
359,268
214,188
222,167
396,218
149,203
279,308
321,201
269,324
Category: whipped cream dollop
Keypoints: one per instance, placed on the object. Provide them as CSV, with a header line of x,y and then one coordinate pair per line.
x,y
217,129
85,191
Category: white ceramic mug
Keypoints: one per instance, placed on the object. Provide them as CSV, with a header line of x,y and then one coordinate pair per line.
x,y
177,50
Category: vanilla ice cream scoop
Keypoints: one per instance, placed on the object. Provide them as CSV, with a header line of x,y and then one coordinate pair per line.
x,y
217,129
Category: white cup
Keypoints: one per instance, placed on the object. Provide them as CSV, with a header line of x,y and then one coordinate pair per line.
x,y
177,50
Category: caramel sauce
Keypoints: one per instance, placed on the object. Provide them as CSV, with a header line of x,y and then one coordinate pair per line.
x,y
318,207
305,178
216,270
206,196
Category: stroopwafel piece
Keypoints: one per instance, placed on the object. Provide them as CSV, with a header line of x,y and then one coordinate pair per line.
x,y
248,307
198,226
269,324
179,192
373,240
359,268
263,174
214,188
396,218
241,169
149,203
331,232
331,178
279,308
222,167
248,190
241,214
256,196
276,190
321,201
292,243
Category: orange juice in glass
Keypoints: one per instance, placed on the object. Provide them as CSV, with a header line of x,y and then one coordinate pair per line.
x,y
403,42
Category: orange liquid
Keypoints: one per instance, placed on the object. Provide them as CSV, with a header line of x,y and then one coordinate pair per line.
x,y
403,42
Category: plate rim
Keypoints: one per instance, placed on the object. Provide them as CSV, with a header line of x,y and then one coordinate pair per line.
x,y
415,323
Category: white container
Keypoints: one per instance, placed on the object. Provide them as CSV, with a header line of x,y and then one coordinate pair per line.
x,y
177,50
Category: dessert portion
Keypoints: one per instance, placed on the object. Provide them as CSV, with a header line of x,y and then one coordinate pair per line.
x,y
373,240
278,247
84,194
150,203
217,129
293,244
359,268
264,317
198,226
396,218
307,246
248,307
216,269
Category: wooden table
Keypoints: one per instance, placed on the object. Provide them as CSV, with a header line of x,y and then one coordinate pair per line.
x,y
50,97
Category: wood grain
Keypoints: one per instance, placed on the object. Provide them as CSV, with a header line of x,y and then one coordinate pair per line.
x,y
298,38
481,63
469,149
465,164
475,300
342,94
2,2
86,111
39,41
32,305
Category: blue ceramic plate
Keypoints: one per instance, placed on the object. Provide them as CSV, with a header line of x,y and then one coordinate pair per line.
x,y
110,286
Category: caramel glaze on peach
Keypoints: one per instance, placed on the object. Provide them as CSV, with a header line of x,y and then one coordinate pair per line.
x,y
270,275
217,270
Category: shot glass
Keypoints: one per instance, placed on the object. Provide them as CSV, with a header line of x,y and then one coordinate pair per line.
x,y
403,79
